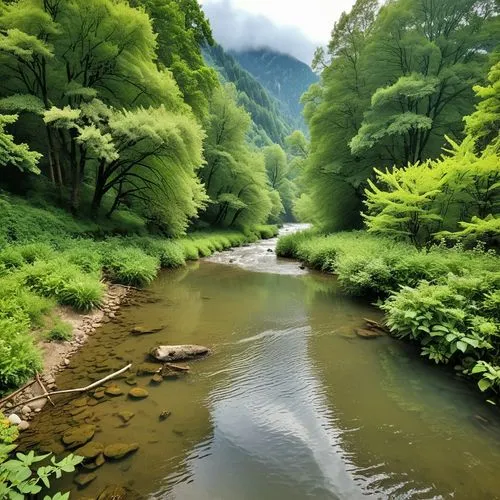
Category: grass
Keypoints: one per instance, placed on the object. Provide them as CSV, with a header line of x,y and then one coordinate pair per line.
x,y
47,258
446,299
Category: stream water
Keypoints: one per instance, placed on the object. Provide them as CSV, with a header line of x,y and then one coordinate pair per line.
x,y
291,404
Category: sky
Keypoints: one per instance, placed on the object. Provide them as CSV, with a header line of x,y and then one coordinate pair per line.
x,y
295,27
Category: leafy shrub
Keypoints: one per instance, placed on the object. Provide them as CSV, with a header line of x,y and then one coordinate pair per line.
x,y
8,432
11,258
66,283
130,266
19,358
32,252
18,480
171,255
189,248
60,331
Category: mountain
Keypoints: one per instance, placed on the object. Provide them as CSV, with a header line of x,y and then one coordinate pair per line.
x,y
270,121
285,77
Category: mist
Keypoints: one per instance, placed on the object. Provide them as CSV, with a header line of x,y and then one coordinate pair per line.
x,y
236,29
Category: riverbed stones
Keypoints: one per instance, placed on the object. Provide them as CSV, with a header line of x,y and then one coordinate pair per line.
x,y
138,393
14,419
77,436
119,450
23,425
113,492
126,416
156,379
113,390
165,414
90,450
78,403
365,333
99,394
179,352
131,380
147,369
83,480
141,330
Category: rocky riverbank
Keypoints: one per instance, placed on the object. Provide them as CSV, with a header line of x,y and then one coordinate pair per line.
x,y
56,355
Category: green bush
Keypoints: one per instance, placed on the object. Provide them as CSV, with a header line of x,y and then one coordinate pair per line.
x,y
189,248
65,282
19,358
60,331
130,266
8,432
11,258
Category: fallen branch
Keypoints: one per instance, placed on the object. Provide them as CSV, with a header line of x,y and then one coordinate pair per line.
x,y
80,389
45,391
15,393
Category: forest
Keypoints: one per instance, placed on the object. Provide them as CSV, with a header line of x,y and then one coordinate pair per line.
x,y
131,142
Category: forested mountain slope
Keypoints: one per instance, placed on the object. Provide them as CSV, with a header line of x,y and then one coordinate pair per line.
x,y
284,76
270,124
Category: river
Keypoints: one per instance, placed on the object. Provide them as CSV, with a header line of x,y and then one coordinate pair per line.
x,y
290,405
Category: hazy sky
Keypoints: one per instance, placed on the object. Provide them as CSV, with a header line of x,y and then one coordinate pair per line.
x,y
292,26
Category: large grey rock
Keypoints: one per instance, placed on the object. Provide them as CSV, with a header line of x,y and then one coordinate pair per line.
x,y
179,352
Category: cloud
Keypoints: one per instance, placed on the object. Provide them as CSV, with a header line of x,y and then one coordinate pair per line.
x,y
236,29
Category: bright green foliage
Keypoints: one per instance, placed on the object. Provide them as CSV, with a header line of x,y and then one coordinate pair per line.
x,y
448,318
490,375
182,29
18,155
404,207
280,178
18,479
129,266
65,282
234,174
484,123
418,201
395,80
8,432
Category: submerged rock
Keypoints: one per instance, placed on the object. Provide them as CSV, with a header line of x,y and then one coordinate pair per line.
x,y
119,450
113,390
147,369
131,381
83,480
138,393
156,379
368,334
126,416
179,352
90,450
113,492
165,414
141,330
78,436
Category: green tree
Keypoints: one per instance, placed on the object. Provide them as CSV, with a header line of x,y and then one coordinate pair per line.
x,y
234,175
18,155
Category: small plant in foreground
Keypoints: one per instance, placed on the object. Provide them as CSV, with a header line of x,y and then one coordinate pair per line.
x,y
18,480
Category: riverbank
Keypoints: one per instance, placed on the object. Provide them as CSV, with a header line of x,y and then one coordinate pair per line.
x,y
445,299
60,278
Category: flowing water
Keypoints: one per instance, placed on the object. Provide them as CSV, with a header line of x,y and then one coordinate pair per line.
x,y
291,404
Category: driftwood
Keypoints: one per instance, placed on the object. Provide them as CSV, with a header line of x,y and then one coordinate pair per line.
x,y
45,391
179,352
15,393
177,368
79,389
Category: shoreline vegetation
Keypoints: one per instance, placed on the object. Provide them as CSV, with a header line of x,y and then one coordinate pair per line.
x,y
61,277
444,298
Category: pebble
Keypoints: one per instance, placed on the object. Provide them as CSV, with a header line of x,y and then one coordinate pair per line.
x,y
23,425
66,361
14,419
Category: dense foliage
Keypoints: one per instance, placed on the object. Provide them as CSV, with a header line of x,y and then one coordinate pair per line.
x,y
395,80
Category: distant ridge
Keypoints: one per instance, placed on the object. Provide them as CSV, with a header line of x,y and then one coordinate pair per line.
x,y
284,76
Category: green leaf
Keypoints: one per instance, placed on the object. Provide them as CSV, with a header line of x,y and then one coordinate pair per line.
x,y
461,346
484,384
